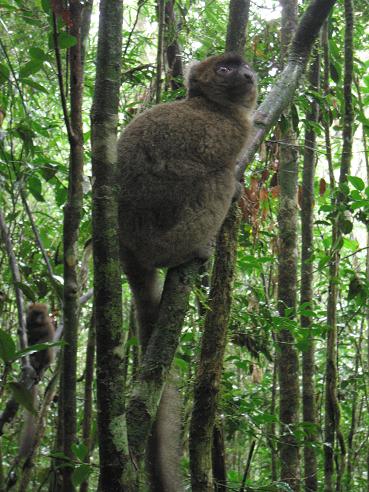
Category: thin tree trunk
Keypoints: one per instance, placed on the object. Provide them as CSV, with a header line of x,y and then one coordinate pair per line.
x,y
272,436
209,371
88,392
237,25
248,465
160,50
332,409
107,279
173,49
154,369
217,316
14,268
366,157
72,218
354,414
288,364
307,236
219,458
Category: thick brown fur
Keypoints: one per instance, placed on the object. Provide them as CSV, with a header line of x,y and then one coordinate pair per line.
x,y
39,330
176,174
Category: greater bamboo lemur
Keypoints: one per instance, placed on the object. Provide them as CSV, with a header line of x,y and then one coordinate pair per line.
x,y
176,172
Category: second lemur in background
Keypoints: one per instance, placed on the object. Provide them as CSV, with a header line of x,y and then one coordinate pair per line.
x,y
40,329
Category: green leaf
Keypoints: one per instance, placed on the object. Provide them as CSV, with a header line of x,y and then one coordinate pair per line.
x,y
31,20
49,171
23,396
359,204
181,363
35,85
37,347
37,53
350,244
4,73
345,226
65,40
61,195
46,6
27,291
357,182
80,474
30,68
295,118
132,341
35,187
80,450
7,347
356,195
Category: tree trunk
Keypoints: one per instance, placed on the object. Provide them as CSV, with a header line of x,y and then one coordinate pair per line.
x,y
107,278
237,25
307,248
332,409
288,366
366,158
154,369
72,218
160,49
354,413
211,357
88,392
219,458
217,316
173,49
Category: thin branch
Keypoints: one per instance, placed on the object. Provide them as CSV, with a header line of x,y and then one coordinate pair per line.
x,y
22,334
42,248
14,75
139,7
68,126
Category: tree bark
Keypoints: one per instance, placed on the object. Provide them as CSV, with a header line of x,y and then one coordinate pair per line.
x,y
219,458
237,25
354,413
156,362
72,218
107,278
332,408
173,49
160,49
207,383
306,293
366,158
88,392
288,364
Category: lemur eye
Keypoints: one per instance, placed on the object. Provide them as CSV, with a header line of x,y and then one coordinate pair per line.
x,y
224,69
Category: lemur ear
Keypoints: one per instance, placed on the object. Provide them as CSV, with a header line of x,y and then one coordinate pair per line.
x,y
189,72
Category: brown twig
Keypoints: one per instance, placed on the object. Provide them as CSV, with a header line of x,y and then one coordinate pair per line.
x,y
68,126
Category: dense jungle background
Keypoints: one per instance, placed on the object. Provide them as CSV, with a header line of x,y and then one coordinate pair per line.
x,y
272,362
